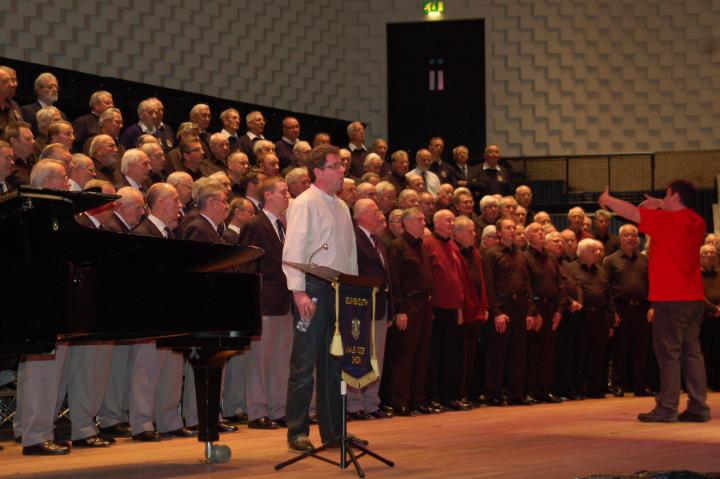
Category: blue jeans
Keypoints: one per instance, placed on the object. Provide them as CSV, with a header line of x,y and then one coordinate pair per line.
x,y
311,352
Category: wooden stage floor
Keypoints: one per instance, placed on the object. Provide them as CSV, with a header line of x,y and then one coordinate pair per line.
x,y
543,441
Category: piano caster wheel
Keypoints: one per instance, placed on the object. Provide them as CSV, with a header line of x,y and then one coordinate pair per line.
x,y
217,454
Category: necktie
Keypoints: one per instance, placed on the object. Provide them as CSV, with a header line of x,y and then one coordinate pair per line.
x,y
168,233
376,244
424,177
2,187
281,230
465,171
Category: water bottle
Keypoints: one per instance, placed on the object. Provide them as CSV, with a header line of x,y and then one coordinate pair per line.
x,y
304,324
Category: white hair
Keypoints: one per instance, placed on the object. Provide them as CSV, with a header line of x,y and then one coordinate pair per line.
x,y
130,157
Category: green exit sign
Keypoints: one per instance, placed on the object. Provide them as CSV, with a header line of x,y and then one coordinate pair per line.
x,y
434,7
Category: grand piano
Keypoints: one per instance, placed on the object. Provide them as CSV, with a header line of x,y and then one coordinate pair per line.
x,y
61,281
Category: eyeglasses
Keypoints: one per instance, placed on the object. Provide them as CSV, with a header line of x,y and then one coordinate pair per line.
x,y
335,166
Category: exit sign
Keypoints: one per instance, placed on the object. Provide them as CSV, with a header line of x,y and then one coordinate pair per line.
x,y
434,7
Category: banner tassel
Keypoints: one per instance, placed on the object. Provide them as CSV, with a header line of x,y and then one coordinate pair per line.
x,y
374,360
336,347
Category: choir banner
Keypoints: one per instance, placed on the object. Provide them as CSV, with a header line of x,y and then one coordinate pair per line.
x,y
354,339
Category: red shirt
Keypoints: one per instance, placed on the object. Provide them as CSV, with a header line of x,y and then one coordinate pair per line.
x,y
446,270
674,259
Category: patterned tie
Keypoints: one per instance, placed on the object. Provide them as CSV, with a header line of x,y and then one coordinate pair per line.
x,y
376,244
281,230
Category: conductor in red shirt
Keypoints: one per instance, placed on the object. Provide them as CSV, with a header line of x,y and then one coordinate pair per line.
x,y
676,293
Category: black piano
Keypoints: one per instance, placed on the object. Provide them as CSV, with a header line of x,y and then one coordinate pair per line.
x,y
61,281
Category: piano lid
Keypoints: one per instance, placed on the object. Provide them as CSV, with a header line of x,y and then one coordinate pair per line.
x,y
79,201
40,225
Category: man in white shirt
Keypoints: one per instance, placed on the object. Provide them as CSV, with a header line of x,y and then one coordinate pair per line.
x,y
423,160
320,231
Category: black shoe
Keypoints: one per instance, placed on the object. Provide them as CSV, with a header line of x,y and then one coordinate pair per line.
x,y
549,398
281,422
109,439
458,406
404,411
146,436
497,401
92,441
435,405
262,423
47,448
654,416
182,432
522,401
241,418
224,427
192,428
618,392
381,414
18,439
468,403
121,429
300,444
596,395
687,416
358,416
644,393
425,409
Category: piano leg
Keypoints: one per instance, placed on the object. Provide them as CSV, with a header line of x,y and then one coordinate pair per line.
x,y
207,366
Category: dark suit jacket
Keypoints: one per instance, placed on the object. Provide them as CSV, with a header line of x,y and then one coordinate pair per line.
x,y
200,229
21,171
357,163
487,182
132,133
284,152
124,182
369,264
82,219
230,237
147,228
275,295
115,224
445,171
245,144
29,113
85,126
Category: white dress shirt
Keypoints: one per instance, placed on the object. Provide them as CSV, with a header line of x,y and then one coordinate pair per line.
x,y
314,219
432,181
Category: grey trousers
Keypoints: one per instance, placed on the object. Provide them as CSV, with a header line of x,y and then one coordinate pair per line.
x,y
368,400
115,402
39,380
155,389
268,368
85,379
234,391
676,330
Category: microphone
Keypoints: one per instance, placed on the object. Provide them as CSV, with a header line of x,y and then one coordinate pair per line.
x,y
323,247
